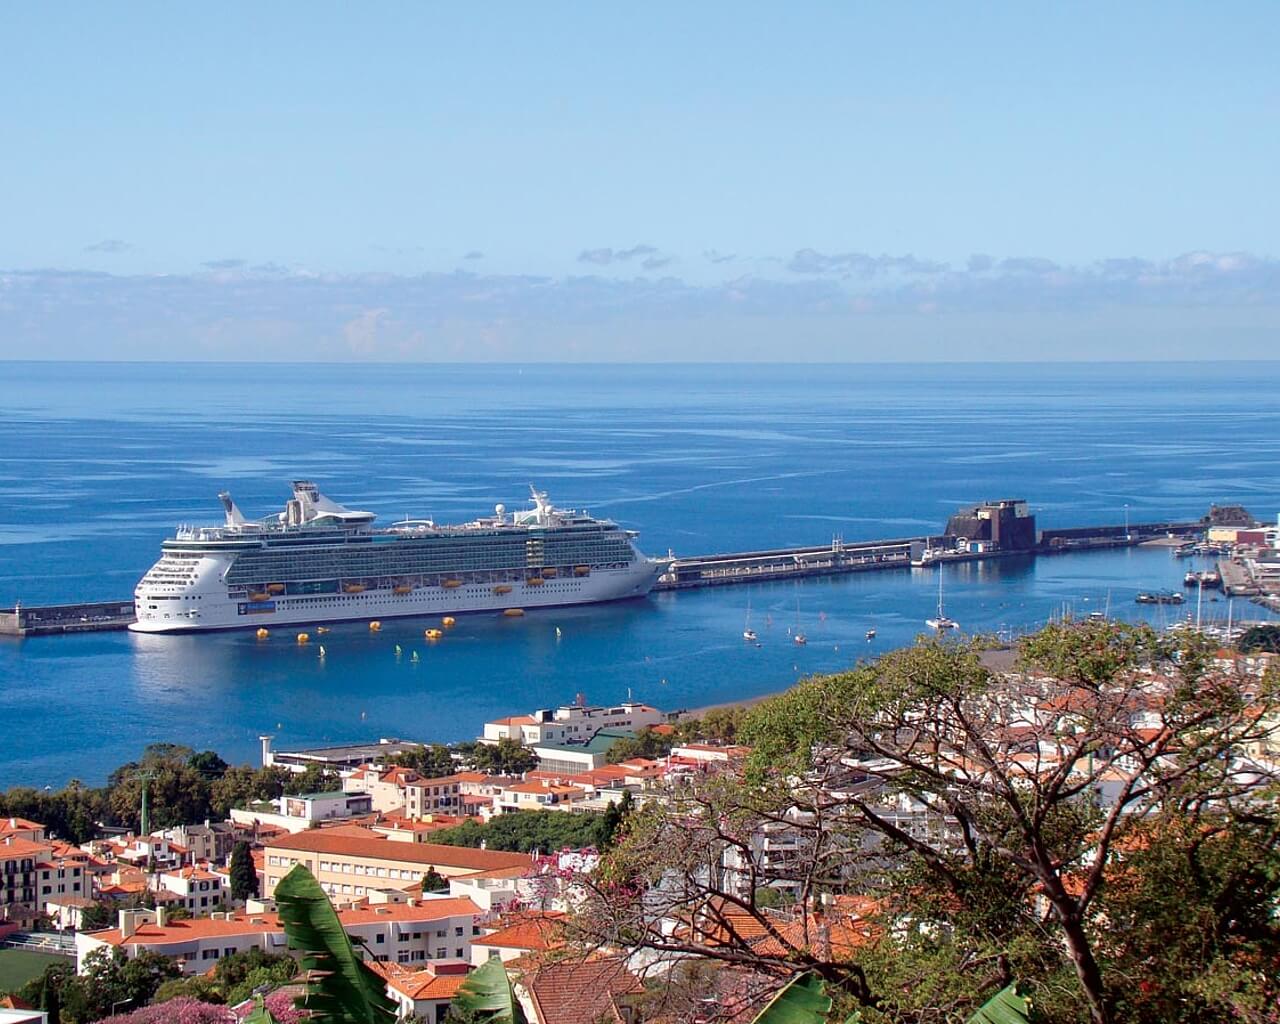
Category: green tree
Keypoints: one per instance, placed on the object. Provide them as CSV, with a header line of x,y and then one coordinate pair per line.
x,y
506,757
314,779
208,764
1261,638
244,877
999,825
433,881
431,760
527,831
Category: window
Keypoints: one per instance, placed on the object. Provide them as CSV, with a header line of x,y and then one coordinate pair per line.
x,y
440,933
441,952
457,931
379,939
458,953
208,954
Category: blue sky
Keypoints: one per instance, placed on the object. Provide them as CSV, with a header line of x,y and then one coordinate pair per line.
x,y
599,181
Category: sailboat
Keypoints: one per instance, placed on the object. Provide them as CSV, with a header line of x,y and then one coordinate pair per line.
x,y
941,623
748,633
798,636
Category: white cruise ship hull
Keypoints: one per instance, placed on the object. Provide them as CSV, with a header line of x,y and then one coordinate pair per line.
x,y
205,604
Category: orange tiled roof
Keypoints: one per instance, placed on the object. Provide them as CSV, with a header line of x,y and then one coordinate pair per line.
x,y
532,931
582,992
423,983
193,929
379,847
12,847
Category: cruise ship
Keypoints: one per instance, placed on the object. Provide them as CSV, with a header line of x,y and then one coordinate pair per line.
x,y
318,561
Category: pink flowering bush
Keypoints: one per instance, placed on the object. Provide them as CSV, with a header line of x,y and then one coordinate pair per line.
x,y
281,1006
183,1010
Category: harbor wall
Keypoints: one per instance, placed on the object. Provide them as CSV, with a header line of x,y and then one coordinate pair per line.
x,y
44,620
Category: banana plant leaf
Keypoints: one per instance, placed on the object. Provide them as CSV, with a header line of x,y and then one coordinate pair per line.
x,y
340,988
1006,1007
802,1000
487,994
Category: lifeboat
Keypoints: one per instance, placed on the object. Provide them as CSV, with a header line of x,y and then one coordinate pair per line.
x,y
535,581
452,584
549,572
304,638
502,588
513,613
374,626
582,570
433,634
263,633
259,595
275,588
402,588
448,621
353,588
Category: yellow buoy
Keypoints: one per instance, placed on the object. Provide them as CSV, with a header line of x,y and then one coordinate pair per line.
x,y
434,634
263,633
303,637
375,625
513,613
448,621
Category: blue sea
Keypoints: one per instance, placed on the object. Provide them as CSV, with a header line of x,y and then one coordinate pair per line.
x,y
100,461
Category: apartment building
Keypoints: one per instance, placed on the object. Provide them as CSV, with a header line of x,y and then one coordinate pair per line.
x,y
198,889
423,993
409,932
354,865
573,723
386,787
19,882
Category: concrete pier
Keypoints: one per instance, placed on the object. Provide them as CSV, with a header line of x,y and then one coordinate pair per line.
x,y
45,620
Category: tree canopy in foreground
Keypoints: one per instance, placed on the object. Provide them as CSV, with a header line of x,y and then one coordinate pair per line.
x,y
1098,824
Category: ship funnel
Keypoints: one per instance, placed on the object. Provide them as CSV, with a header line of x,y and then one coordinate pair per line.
x,y
234,516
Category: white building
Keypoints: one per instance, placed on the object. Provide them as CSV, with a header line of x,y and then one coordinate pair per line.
x,y
299,813
410,931
573,723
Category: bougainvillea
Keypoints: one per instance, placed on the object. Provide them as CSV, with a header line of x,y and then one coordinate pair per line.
x,y
183,1010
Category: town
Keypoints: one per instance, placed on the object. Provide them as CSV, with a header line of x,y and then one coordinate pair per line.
x,y
751,862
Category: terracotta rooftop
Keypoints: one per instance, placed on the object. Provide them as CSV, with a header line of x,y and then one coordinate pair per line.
x,y
530,931
379,847
194,929
439,981
582,992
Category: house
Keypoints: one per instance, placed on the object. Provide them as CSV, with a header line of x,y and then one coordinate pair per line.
x,y
307,810
199,890
593,991
408,932
537,795
386,787
212,841
423,993
519,935
357,860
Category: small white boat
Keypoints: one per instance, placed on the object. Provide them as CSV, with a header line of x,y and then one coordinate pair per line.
x,y
871,634
800,639
941,624
748,634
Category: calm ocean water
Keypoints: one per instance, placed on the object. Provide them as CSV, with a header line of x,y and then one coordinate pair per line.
x,y
101,461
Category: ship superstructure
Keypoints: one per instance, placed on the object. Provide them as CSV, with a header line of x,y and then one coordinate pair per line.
x,y
318,561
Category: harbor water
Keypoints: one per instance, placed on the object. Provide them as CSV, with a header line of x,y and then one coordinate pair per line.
x,y
103,461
